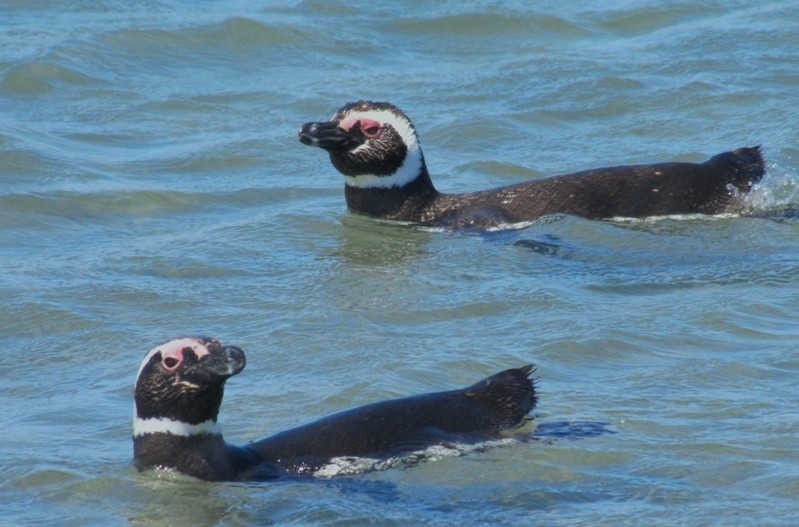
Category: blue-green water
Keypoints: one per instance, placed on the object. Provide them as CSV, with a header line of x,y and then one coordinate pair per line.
x,y
151,185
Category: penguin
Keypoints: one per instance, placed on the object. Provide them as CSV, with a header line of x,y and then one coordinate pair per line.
x,y
375,146
179,390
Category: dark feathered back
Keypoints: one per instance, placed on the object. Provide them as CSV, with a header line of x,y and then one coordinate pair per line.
x,y
510,394
745,165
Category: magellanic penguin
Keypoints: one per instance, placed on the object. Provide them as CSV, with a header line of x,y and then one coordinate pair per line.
x,y
375,146
179,390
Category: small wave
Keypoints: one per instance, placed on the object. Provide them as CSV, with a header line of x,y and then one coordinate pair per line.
x,y
348,465
42,77
775,191
674,217
488,23
498,228
236,35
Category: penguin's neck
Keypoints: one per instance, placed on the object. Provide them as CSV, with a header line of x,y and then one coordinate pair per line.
x,y
195,450
203,456
404,203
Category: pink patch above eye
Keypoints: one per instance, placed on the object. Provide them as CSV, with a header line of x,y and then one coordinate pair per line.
x,y
175,354
369,127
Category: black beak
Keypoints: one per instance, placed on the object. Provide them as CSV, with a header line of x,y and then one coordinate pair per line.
x,y
226,362
326,135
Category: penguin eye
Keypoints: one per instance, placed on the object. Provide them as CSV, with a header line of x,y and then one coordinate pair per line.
x,y
174,358
171,362
372,130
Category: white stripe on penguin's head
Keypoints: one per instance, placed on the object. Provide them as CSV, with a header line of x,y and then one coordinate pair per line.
x,y
412,165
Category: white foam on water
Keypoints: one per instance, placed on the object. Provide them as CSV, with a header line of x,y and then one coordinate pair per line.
x,y
348,465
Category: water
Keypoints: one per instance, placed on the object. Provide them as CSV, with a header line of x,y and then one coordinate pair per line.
x,y
151,185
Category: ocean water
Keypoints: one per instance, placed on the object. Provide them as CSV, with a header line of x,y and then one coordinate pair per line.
x,y
152,185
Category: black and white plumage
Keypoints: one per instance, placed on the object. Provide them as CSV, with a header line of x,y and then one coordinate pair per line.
x,y
375,146
179,390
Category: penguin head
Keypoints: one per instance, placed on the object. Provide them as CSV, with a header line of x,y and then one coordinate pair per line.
x,y
180,385
373,144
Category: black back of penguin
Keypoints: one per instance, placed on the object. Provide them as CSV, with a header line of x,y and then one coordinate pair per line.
x,y
480,411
